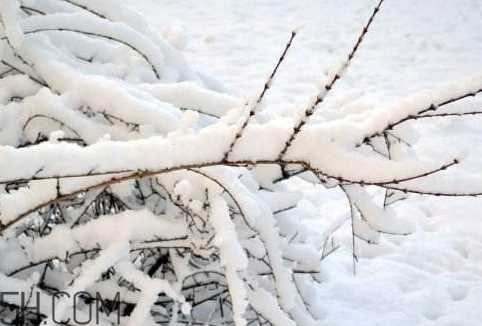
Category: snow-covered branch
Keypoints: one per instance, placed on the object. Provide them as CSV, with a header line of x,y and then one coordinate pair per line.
x,y
121,169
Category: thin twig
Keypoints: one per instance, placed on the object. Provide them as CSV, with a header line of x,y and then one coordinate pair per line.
x,y
329,86
267,86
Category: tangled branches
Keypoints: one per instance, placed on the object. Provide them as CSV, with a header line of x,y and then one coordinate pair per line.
x,y
122,172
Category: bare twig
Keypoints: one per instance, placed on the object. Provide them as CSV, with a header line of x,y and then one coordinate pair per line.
x,y
267,86
331,83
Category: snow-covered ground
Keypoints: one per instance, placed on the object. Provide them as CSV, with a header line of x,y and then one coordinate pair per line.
x,y
433,277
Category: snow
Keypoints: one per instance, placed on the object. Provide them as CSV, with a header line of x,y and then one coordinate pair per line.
x,y
200,99
91,272
150,289
105,106
11,24
233,258
130,226
431,277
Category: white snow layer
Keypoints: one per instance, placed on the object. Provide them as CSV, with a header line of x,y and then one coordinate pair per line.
x,y
433,277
